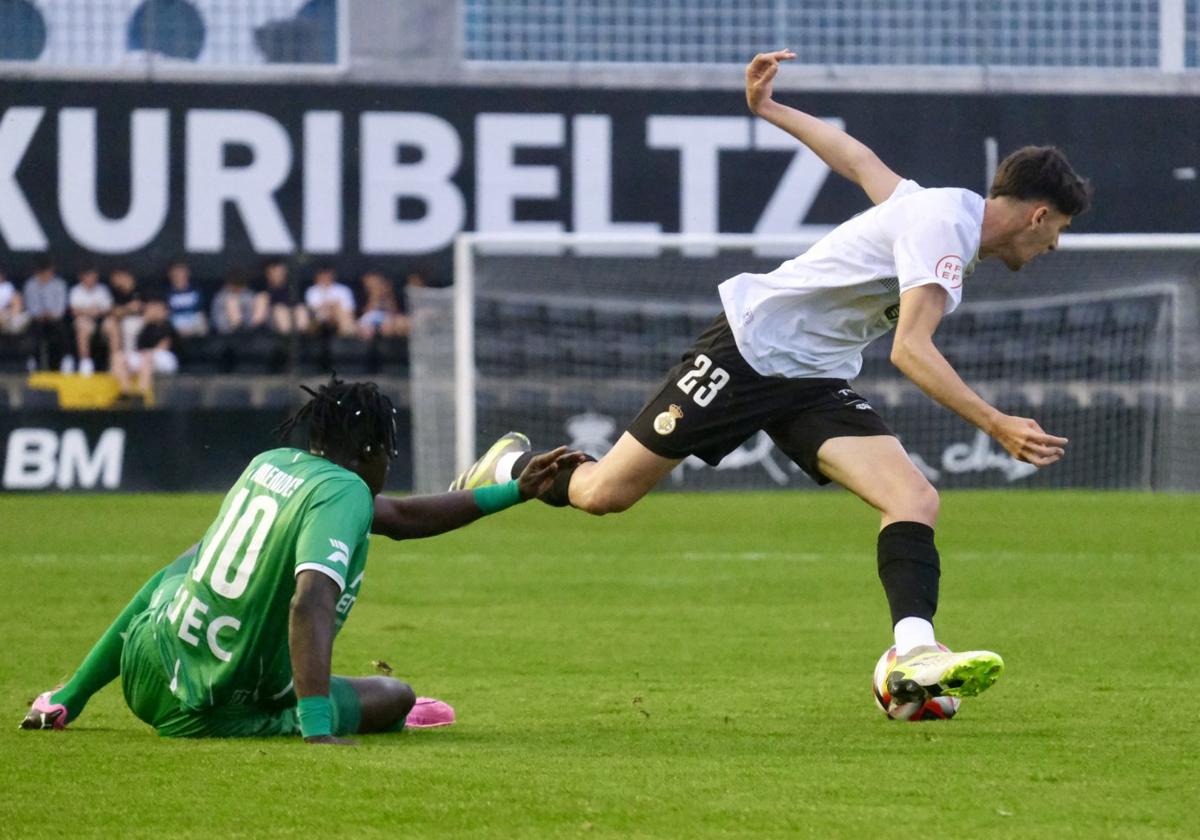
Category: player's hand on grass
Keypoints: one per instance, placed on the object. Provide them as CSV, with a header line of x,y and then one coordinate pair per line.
x,y
539,473
760,76
1026,441
332,740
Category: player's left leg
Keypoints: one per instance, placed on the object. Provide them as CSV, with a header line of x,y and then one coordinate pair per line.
x,y
369,704
55,709
879,471
383,704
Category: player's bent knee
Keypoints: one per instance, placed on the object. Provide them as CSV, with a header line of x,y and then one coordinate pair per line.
x,y
396,700
919,502
402,696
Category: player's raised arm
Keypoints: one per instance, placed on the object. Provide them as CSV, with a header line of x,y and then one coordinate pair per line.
x,y
415,517
915,354
842,153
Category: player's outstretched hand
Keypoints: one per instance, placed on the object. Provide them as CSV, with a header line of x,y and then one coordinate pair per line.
x,y
1026,441
539,473
332,740
760,76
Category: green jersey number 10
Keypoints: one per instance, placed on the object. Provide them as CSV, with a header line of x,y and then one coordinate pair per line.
x,y
259,515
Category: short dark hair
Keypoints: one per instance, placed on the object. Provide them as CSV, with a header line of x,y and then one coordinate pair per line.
x,y
345,418
1042,173
43,262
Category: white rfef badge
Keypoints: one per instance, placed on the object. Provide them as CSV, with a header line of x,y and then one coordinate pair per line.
x,y
664,423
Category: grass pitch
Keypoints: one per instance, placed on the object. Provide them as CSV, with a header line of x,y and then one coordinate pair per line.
x,y
698,666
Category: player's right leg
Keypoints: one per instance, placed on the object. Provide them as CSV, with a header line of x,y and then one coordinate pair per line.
x,y
55,709
623,476
609,485
707,406
879,471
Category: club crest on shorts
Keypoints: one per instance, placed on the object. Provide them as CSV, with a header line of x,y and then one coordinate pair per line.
x,y
664,423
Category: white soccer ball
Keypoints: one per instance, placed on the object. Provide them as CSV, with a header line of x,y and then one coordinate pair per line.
x,y
935,708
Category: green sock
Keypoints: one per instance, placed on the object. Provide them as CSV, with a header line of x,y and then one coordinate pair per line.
x,y
102,665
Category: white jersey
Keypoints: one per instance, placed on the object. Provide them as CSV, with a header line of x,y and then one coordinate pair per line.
x,y
811,317
94,297
335,293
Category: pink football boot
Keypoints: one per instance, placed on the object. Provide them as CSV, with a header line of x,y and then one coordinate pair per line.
x,y
427,713
46,715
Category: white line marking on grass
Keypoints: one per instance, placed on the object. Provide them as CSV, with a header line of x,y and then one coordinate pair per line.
x,y
794,556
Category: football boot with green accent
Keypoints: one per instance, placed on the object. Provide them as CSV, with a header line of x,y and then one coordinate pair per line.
x,y
926,672
483,472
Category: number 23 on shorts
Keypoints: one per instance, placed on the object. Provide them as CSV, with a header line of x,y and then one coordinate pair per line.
x,y
706,393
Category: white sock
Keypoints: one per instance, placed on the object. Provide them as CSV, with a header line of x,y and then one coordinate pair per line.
x,y
913,632
504,466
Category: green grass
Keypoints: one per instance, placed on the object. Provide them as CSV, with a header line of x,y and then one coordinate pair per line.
x,y
698,666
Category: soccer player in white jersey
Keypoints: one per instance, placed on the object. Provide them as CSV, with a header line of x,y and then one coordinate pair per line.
x,y
779,357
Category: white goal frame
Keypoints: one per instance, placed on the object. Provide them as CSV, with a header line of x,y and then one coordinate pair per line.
x,y
466,245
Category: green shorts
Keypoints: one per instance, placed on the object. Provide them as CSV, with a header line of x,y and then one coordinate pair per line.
x,y
146,685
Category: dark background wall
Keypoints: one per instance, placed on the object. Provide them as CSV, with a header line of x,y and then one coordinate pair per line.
x,y
936,139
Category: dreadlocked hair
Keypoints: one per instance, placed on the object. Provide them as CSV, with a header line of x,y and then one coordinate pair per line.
x,y
347,418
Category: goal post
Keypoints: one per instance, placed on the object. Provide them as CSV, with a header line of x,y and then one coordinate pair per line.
x,y
564,335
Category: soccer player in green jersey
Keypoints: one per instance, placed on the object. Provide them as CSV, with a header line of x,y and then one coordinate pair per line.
x,y
235,637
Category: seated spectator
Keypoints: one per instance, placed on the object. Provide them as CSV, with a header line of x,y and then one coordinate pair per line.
x,y
381,315
13,318
185,301
331,303
154,351
46,302
124,319
90,302
276,305
233,306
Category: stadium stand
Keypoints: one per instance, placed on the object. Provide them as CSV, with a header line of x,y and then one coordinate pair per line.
x,y
1078,33
228,33
258,352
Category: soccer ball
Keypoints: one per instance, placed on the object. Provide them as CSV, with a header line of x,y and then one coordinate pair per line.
x,y
935,708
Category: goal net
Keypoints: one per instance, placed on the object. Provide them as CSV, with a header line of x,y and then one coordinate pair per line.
x,y
564,338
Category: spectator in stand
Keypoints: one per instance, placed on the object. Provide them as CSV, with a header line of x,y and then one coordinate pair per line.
x,y
13,318
153,353
331,303
124,320
275,304
46,302
233,307
185,301
90,302
381,315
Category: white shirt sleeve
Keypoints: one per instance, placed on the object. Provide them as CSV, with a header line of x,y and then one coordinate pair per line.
x,y
932,253
905,187
312,297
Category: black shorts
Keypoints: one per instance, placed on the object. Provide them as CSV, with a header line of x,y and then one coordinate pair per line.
x,y
713,401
